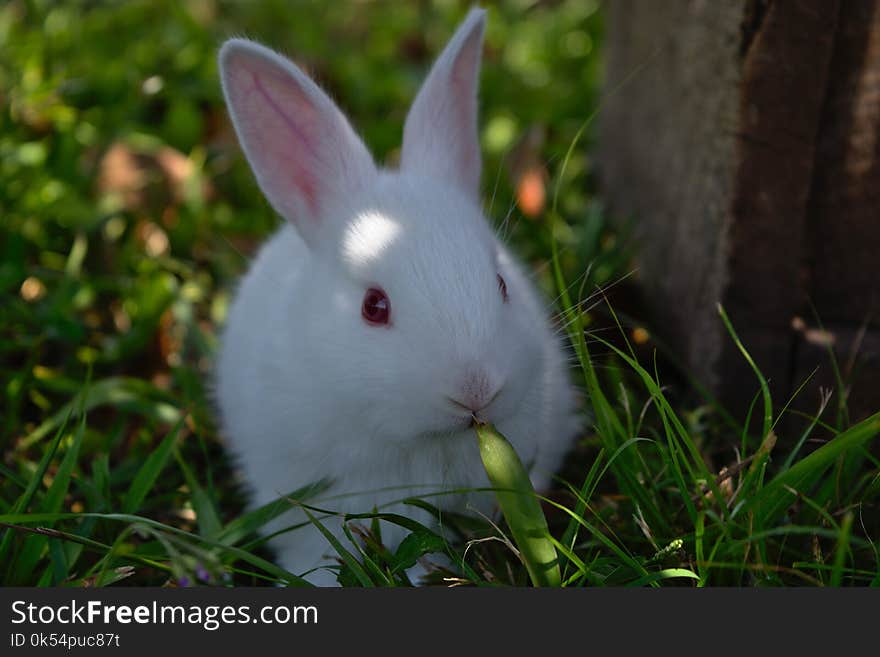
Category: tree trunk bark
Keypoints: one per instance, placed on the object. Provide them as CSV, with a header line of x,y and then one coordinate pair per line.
x,y
745,138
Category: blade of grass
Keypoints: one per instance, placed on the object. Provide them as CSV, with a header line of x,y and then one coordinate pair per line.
x,y
583,496
769,502
792,455
842,549
117,391
250,523
569,536
765,389
748,423
206,513
90,544
667,573
673,428
267,566
347,557
149,472
699,533
583,571
608,423
33,547
842,410
368,563
25,498
619,551
9,475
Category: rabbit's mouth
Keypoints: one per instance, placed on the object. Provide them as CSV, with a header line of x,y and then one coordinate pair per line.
x,y
457,426
454,418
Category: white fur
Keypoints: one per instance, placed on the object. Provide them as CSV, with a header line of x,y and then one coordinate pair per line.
x,y
306,388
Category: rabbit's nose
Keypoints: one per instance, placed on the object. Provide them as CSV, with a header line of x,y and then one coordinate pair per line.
x,y
478,389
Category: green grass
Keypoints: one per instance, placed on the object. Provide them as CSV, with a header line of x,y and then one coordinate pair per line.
x,y
126,210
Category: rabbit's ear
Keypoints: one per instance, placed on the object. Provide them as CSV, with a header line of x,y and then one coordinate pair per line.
x,y
301,148
440,136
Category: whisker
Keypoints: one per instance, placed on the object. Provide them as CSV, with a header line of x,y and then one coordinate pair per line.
x,y
497,180
600,291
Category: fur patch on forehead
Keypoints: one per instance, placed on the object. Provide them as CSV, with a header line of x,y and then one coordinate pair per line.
x,y
368,236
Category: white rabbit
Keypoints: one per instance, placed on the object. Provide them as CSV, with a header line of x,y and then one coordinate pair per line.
x,y
384,314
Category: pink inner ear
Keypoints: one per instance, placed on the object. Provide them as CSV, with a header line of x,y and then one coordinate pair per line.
x,y
440,136
463,83
296,149
469,155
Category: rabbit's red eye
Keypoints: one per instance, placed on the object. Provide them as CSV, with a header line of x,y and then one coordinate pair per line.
x,y
376,308
503,287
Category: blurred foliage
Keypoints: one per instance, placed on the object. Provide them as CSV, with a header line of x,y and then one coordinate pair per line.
x,y
128,210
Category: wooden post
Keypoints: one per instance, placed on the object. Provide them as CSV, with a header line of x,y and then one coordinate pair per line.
x,y
747,144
